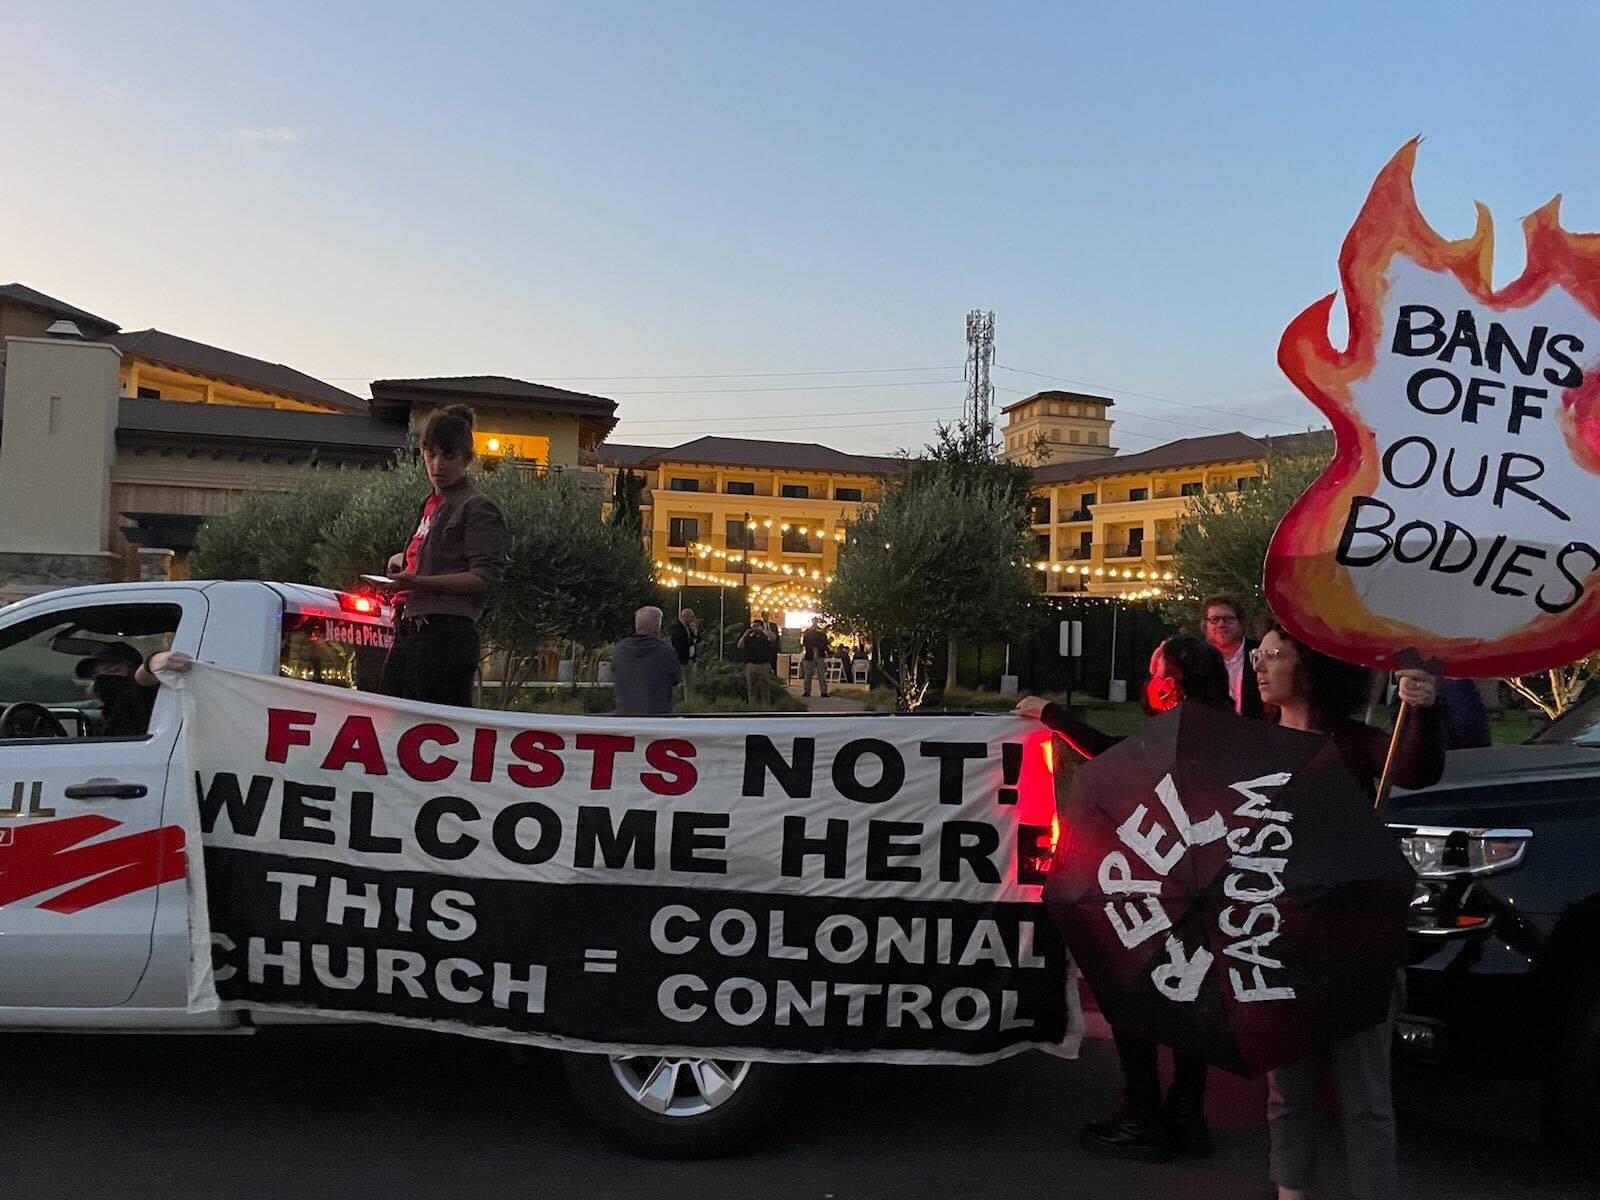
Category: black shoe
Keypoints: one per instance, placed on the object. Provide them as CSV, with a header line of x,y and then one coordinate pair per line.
x,y
1127,1137
1186,1129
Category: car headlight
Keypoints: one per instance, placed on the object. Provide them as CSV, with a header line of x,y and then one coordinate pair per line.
x,y
1444,853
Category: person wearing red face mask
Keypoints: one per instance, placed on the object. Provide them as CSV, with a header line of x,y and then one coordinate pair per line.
x,y
1145,1128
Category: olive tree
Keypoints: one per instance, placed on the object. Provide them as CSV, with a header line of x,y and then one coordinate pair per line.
x,y
943,553
571,576
375,521
274,534
1223,536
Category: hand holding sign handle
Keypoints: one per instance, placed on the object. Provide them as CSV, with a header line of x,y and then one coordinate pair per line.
x,y
1417,690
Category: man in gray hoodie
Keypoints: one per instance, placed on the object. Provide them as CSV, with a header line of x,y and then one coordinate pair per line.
x,y
645,669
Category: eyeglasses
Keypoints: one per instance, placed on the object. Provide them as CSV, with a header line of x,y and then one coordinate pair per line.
x,y
1222,620
1259,655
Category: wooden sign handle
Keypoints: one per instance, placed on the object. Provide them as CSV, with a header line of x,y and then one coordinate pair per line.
x,y
1387,781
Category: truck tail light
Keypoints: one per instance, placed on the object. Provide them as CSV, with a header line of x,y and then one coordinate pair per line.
x,y
355,602
1040,827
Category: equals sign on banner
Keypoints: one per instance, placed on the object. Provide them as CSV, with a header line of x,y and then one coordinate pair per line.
x,y
601,961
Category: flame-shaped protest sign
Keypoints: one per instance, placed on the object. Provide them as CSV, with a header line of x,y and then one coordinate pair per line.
x,y
1460,515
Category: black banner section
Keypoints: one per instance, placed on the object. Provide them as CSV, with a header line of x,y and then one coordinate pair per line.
x,y
637,965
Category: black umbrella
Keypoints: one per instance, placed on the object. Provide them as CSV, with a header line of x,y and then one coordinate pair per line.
x,y
1227,890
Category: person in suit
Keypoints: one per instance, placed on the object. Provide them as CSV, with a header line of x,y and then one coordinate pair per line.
x,y
1222,621
686,645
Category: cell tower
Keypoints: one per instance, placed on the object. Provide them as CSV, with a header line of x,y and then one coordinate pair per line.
x,y
980,392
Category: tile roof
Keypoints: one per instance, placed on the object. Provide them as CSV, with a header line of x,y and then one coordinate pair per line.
x,y
616,454
339,435
793,456
1185,452
498,388
1057,395
21,293
172,351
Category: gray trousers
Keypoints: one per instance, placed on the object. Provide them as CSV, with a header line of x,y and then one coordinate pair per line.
x,y
813,668
1366,1106
755,682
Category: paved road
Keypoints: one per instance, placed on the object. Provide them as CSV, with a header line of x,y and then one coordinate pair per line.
x,y
353,1113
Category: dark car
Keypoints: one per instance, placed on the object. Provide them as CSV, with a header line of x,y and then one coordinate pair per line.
x,y
1504,976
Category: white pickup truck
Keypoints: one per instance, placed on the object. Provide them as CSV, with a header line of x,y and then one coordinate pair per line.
x,y
93,918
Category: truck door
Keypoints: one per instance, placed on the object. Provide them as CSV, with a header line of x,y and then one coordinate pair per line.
x,y
84,846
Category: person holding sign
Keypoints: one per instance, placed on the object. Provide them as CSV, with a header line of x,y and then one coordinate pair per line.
x,y
445,573
1144,1128
1304,689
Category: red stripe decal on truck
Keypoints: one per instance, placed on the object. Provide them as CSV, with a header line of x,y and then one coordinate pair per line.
x,y
46,855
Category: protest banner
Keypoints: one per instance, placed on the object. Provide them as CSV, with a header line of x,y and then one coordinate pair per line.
x,y
766,887
1456,519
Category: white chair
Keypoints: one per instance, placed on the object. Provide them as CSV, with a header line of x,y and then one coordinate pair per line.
x,y
835,671
860,670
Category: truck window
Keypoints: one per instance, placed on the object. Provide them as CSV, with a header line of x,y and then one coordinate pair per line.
x,y
333,650
71,671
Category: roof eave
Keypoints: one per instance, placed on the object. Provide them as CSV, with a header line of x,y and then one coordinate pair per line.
x,y
354,406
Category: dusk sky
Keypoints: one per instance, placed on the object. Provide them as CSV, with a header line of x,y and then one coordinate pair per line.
x,y
770,220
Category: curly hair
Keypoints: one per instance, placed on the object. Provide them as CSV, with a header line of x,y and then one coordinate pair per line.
x,y
1200,670
1334,689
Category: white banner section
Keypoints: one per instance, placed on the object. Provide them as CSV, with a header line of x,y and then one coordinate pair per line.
x,y
767,887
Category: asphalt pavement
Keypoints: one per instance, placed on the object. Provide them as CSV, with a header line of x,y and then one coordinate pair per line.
x,y
357,1113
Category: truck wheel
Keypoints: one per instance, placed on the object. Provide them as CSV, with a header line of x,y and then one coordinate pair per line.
x,y
674,1107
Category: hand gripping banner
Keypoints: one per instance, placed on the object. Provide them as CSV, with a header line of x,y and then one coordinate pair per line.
x,y
771,888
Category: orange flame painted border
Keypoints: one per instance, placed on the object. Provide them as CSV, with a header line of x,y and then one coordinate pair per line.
x,y
1311,593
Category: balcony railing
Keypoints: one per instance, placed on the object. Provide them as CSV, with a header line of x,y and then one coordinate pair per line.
x,y
1077,514
590,479
1078,553
1166,547
1131,550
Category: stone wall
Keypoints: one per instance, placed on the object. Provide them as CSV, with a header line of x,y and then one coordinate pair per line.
x,y
23,574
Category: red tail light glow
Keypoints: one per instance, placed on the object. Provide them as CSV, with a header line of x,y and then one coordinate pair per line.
x,y
1039,826
355,603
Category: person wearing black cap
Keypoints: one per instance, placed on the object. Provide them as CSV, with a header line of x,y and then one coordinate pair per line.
x,y
124,686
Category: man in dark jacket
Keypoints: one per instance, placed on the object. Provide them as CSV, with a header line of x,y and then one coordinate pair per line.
x,y
814,647
686,645
644,669
1223,623
774,640
755,651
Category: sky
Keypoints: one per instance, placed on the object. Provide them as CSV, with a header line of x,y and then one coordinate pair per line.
x,y
770,220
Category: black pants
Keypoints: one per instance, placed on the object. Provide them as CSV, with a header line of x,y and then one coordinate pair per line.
x,y
1143,1078
433,659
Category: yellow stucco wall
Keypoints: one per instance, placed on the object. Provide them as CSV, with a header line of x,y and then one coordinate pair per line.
x,y
187,386
791,576
550,438
1114,565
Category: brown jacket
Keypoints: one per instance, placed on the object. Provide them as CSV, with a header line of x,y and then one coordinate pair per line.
x,y
468,533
